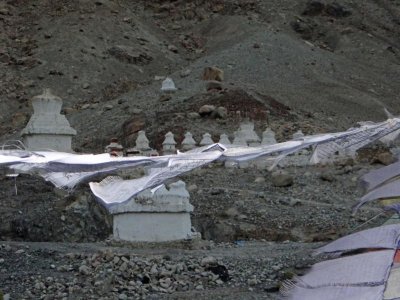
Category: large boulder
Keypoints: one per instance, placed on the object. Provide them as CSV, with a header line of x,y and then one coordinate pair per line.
x,y
213,73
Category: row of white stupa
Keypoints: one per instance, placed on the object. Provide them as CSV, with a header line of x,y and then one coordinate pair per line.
x,y
245,136
48,129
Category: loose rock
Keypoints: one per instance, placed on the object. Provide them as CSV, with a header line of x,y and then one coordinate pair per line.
x,y
84,270
281,179
206,110
185,73
213,85
173,48
384,158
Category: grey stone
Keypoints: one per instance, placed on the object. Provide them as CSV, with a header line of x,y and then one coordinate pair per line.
x,y
165,282
116,260
185,73
192,188
199,287
252,281
384,158
206,110
123,267
84,270
220,232
173,48
209,260
122,296
213,85
281,179
129,55
221,112
136,111
231,212
259,180
164,98
327,176
193,115
277,267
294,202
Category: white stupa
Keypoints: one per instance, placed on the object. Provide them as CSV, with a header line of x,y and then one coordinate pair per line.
x,y
268,137
169,143
142,142
206,140
188,142
239,139
246,130
168,86
298,135
224,139
47,128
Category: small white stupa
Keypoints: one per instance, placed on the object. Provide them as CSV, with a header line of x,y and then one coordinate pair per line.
x,y
188,142
298,135
268,137
142,142
246,130
206,140
168,86
239,139
224,139
169,144
47,128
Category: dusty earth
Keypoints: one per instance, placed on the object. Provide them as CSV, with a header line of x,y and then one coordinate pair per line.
x,y
318,66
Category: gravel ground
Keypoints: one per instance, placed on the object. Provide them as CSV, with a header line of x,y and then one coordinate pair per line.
x,y
98,271
238,203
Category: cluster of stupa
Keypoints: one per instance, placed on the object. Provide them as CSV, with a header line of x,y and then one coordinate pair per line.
x,y
244,136
48,129
163,215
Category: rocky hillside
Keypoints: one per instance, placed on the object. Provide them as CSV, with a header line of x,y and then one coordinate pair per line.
x,y
329,64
